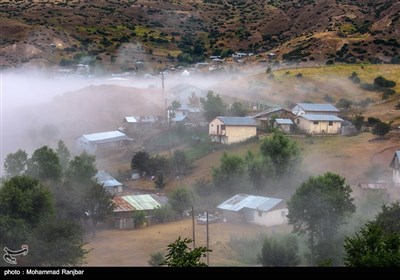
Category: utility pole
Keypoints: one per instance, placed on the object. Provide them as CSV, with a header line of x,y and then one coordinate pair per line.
x,y
208,253
163,95
194,239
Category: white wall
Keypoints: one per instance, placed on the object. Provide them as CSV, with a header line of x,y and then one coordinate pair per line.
x,y
271,218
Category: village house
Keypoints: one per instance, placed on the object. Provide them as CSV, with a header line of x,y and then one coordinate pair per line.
x,y
95,141
126,206
229,130
265,119
183,92
260,210
109,183
395,164
319,124
301,109
136,124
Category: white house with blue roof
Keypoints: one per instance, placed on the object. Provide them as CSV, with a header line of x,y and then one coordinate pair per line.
x,y
229,130
319,124
266,211
301,109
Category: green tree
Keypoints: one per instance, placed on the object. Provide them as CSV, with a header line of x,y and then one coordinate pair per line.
x,y
344,104
283,152
98,205
63,154
181,199
230,172
317,208
194,101
383,82
159,182
213,106
180,255
139,218
82,169
259,169
281,251
15,163
176,104
44,164
377,244
381,129
139,161
237,110
358,121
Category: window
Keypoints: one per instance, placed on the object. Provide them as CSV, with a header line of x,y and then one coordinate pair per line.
x,y
315,122
330,123
259,213
223,127
298,121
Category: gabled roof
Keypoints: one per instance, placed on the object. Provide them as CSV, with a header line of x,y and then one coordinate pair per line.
x,y
283,121
184,86
269,111
106,179
313,117
241,201
318,107
395,164
137,202
238,121
106,136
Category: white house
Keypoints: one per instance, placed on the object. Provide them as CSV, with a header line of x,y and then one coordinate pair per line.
x,y
319,124
109,183
395,164
266,211
92,142
284,125
301,109
228,130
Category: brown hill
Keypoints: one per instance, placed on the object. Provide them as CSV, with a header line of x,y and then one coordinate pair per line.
x,y
118,34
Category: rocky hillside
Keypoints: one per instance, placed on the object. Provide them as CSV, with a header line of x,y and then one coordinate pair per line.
x,y
143,34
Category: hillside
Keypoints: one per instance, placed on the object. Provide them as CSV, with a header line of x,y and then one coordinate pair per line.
x,y
141,35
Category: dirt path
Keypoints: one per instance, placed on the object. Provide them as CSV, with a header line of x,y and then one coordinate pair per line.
x,y
134,247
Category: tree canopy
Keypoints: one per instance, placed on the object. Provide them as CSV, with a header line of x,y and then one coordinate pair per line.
x,y
213,106
44,164
281,251
15,163
180,255
317,208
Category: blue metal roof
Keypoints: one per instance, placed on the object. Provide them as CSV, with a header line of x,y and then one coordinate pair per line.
x,y
242,121
318,107
312,117
106,179
283,121
109,135
240,201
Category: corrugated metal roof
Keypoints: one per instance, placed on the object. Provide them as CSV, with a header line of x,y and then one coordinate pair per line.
x,y
318,107
141,119
373,185
283,121
106,179
240,201
142,201
312,117
242,121
179,118
109,135
121,205
266,112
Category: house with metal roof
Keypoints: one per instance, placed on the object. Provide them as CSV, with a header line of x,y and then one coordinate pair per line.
x,y
126,206
319,124
229,130
284,125
314,108
256,209
92,142
395,165
135,124
267,117
109,183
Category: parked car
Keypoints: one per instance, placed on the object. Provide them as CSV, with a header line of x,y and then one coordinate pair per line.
x,y
202,219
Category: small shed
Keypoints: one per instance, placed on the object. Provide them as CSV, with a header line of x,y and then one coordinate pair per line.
x,y
109,183
260,210
284,125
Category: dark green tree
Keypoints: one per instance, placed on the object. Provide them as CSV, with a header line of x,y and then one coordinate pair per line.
x,y
377,244
283,152
63,154
15,163
180,255
344,104
139,161
317,208
82,169
159,182
259,169
98,205
181,199
358,121
213,106
381,129
44,164
281,251
176,104
139,218
230,172
237,110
